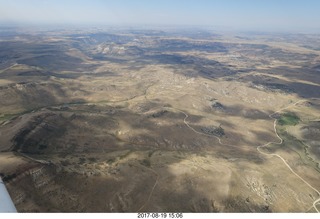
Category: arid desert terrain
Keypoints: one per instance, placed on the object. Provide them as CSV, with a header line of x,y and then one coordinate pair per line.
x,y
118,120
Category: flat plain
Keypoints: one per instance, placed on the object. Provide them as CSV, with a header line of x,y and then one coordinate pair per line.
x,y
160,121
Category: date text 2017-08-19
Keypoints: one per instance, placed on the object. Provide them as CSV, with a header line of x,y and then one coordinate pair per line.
x,y
160,215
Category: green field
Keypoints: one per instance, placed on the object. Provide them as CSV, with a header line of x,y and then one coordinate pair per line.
x,y
289,119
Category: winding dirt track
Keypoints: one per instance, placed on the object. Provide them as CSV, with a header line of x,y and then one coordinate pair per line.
x,y
150,194
314,205
277,155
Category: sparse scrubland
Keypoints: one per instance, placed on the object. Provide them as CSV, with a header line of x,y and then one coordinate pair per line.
x,y
123,121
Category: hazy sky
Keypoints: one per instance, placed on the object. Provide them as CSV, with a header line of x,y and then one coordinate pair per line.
x,y
246,14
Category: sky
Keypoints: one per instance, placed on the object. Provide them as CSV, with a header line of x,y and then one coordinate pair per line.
x,y
291,15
